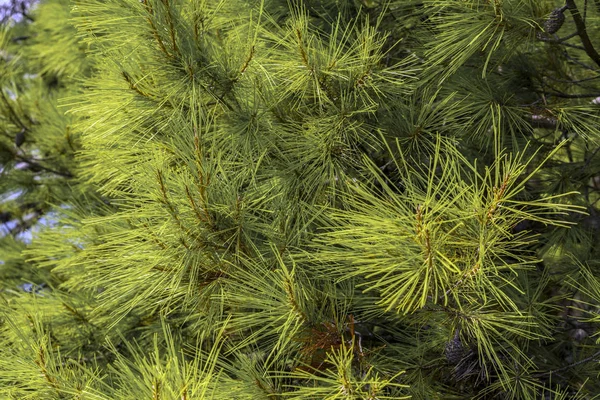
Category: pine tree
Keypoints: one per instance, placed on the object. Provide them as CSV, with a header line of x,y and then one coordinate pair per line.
x,y
313,199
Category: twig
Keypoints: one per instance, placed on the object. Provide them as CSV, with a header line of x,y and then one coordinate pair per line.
x,y
588,359
575,82
589,160
572,35
25,13
575,46
171,26
12,112
155,30
19,38
571,96
65,174
561,42
582,64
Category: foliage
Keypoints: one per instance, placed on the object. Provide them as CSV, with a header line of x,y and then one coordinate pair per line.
x,y
313,200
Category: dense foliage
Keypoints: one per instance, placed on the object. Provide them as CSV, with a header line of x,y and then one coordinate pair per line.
x,y
315,199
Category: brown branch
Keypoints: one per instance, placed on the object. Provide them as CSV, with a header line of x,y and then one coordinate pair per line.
x,y
164,192
201,218
41,363
133,86
171,26
582,32
247,62
155,30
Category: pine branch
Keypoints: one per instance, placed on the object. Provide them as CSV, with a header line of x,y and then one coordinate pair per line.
x,y
593,357
35,165
582,32
12,113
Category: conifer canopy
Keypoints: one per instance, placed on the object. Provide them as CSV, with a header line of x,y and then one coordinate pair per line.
x,y
316,199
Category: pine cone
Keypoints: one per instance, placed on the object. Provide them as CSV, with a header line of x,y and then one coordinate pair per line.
x,y
20,138
555,20
455,350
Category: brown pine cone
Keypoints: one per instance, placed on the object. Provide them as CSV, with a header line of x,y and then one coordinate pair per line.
x,y
555,20
454,350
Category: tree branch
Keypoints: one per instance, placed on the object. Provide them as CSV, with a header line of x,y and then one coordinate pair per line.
x,y
15,117
34,164
573,81
571,96
582,32
585,360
